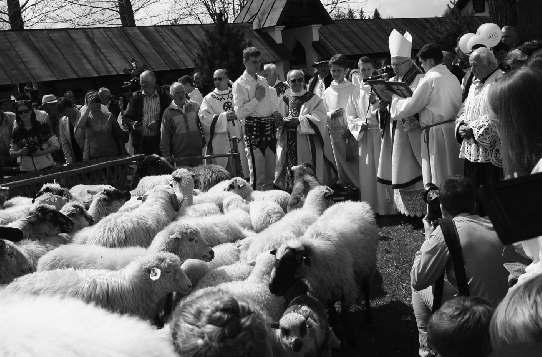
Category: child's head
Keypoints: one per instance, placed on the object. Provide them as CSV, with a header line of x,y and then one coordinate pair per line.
x,y
212,322
460,328
337,67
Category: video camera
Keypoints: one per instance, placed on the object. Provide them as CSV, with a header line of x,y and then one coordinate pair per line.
x,y
385,73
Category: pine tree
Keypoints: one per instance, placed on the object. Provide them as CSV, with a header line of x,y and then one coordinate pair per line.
x,y
361,14
350,14
223,48
376,14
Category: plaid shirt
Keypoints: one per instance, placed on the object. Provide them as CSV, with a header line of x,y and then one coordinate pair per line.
x,y
151,113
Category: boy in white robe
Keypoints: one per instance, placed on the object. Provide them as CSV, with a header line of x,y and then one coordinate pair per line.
x,y
299,138
255,104
361,113
344,145
220,122
437,99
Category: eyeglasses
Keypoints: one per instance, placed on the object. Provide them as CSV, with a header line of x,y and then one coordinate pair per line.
x,y
26,111
297,80
217,79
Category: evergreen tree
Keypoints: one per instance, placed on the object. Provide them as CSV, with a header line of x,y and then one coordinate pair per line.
x,y
361,14
223,48
350,14
376,14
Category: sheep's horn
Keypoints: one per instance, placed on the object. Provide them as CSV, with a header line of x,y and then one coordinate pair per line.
x,y
12,234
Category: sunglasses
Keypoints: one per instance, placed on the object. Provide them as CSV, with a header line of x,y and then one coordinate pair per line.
x,y
297,80
217,79
26,111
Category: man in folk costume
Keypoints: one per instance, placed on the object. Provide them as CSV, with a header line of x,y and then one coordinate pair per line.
x,y
255,104
400,156
300,134
271,75
321,79
436,99
362,116
220,122
336,98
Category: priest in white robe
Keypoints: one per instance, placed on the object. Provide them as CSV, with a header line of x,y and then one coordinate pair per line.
x,y
336,98
400,157
362,117
436,99
299,138
221,124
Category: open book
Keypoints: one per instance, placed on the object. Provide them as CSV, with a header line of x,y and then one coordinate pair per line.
x,y
385,90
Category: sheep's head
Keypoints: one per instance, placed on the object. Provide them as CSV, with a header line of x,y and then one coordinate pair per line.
x,y
183,178
300,170
241,187
14,262
113,198
45,220
153,165
78,214
289,262
164,192
186,239
54,189
232,202
320,198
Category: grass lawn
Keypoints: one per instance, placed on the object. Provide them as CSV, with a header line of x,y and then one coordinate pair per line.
x,y
393,329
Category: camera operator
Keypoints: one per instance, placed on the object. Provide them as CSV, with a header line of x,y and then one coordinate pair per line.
x,y
481,250
32,141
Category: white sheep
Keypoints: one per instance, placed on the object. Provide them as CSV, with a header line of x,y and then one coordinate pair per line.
x,y
221,186
216,197
17,201
264,213
200,210
185,242
85,193
36,326
138,289
182,181
107,201
75,211
46,196
42,221
243,189
235,202
292,225
215,229
14,262
134,228
336,257
225,254
207,176
304,181
33,249
195,269
226,273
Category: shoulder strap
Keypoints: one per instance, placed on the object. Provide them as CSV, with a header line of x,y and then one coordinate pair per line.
x,y
451,238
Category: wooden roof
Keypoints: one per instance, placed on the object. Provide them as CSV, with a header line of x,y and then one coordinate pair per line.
x,y
269,13
59,54
366,37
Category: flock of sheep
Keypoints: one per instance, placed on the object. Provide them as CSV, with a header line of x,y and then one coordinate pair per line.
x,y
93,270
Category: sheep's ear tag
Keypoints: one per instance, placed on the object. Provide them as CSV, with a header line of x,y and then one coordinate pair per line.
x,y
155,274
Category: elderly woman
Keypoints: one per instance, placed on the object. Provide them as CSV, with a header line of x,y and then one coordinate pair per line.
x,y
32,141
98,133
181,133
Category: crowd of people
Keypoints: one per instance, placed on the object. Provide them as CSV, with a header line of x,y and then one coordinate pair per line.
x,y
464,123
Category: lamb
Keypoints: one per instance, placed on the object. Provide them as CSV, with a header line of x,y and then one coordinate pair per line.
x,y
336,257
304,330
182,181
233,202
107,201
206,176
75,211
185,242
36,326
135,228
292,225
215,229
137,289
43,221
304,181
243,189
14,262
264,213
85,193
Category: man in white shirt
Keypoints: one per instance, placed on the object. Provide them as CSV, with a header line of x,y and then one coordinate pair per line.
x,y
344,145
256,105
436,99
192,92
220,122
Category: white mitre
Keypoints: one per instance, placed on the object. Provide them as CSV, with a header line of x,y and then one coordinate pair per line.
x,y
400,46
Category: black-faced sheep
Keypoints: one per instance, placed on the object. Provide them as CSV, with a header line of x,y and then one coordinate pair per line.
x,y
37,326
107,201
78,214
242,188
43,221
292,225
206,176
185,242
304,181
138,289
14,262
336,257
137,227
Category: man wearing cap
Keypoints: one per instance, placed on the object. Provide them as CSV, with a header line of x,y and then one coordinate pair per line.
x,y
321,79
49,104
400,163
220,122
300,137
256,105
436,100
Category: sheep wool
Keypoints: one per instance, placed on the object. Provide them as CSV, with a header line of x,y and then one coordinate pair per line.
x,y
138,289
27,330
304,181
195,269
242,188
215,229
225,254
107,201
43,221
134,228
233,272
75,211
264,213
85,193
14,262
208,176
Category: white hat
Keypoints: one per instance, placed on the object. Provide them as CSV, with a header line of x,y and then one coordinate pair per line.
x,y
400,46
474,41
49,99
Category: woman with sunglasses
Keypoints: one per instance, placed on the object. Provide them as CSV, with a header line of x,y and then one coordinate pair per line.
x,y
32,141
